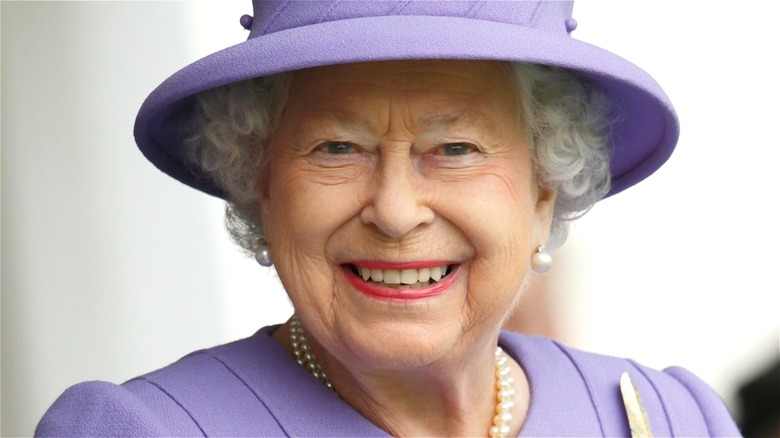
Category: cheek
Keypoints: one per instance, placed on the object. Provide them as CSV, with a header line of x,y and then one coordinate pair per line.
x,y
494,210
498,220
303,212
498,223
302,217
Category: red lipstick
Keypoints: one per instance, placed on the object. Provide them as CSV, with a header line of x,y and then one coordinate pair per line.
x,y
378,291
373,264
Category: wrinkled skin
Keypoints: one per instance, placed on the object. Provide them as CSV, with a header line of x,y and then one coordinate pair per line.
x,y
414,162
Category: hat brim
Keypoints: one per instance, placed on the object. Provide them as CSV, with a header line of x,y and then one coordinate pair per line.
x,y
641,138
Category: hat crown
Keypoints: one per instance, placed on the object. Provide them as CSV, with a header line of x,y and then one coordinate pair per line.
x,y
271,16
288,35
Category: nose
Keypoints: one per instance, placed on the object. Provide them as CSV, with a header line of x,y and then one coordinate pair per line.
x,y
398,198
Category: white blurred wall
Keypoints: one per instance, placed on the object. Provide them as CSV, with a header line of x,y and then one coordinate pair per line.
x,y
683,268
112,269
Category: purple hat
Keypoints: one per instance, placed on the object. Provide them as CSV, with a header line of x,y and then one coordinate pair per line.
x,y
289,35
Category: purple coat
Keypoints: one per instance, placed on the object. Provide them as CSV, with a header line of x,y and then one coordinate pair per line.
x,y
253,387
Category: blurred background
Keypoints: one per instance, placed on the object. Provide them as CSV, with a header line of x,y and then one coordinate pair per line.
x,y
111,269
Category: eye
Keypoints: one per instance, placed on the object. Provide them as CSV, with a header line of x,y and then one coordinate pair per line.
x,y
455,149
337,147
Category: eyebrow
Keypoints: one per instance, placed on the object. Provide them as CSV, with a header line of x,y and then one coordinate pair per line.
x,y
348,117
426,121
451,118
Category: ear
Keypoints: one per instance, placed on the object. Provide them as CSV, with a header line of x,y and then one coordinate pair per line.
x,y
545,208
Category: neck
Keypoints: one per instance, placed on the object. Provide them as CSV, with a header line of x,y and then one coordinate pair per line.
x,y
453,397
425,402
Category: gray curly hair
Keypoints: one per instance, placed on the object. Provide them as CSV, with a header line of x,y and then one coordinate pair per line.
x,y
565,120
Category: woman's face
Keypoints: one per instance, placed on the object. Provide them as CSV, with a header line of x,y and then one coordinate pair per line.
x,y
401,207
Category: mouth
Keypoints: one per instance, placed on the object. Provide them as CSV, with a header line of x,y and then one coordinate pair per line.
x,y
411,278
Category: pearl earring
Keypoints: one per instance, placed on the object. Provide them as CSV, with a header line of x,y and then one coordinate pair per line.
x,y
541,260
263,253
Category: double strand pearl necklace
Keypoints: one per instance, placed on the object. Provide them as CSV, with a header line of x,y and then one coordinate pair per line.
x,y
504,380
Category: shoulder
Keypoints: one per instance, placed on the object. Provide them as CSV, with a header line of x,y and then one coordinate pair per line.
x,y
207,392
677,402
100,409
250,387
714,411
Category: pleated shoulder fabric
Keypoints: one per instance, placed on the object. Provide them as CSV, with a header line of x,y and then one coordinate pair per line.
x,y
574,393
253,388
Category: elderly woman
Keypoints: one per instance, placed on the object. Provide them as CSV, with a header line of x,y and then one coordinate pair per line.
x,y
404,166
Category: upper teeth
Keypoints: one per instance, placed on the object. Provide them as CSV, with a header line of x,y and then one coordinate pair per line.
x,y
403,276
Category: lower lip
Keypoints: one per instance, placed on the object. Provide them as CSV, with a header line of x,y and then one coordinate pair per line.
x,y
394,294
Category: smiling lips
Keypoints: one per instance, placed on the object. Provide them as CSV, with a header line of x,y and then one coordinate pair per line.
x,y
401,281
414,278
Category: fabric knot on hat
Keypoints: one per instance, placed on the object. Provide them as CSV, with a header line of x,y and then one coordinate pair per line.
x,y
246,21
571,25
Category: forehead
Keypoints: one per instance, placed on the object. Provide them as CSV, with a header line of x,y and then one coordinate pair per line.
x,y
435,91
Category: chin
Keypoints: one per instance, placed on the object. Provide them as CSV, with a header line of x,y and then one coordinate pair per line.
x,y
400,344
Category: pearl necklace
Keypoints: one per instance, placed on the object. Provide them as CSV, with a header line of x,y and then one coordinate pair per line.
x,y
303,353
504,380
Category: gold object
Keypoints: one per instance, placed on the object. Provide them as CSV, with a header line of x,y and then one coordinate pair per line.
x,y
635,410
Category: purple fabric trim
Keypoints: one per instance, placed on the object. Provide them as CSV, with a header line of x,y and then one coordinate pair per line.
x,y
178,421
594,395
712,408
173,398
651,394
100,409
291,391
259,399
252,387
560,402
671,422
278,16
